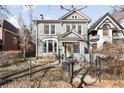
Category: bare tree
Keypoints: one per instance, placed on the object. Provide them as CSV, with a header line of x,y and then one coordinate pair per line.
x,y
71,8
111,58
25,31
4,11
118,12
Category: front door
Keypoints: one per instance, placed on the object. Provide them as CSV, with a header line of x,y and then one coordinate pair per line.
x,y
68,49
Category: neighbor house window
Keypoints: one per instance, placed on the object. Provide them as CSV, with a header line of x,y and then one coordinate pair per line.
x,y
46,29
106,28
94,47
68,28
105,32
79,29
76,48
15,40
52,29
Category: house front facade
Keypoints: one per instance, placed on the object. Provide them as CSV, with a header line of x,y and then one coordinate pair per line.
x,y
8,36
66,36
105,30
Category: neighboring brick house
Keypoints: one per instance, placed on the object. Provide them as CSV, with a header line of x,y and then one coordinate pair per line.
x,y
8,36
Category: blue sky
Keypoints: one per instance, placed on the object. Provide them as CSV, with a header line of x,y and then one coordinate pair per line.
x,y
54,11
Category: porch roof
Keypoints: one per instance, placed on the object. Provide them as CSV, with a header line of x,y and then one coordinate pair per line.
x,y
70,39
75,37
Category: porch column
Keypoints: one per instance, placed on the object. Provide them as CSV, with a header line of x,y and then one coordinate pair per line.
x,y
57,47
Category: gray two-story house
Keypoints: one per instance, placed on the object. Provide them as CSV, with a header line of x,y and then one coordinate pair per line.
x,y
66,36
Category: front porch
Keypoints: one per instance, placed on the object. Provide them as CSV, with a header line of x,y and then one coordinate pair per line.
x,y
72,45
69,50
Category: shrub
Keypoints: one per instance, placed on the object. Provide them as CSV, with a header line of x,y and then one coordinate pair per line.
x,y
10,57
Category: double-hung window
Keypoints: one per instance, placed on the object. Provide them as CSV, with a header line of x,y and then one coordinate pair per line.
x,y
79,29
68,28
74,27
46,29
52,29
49,29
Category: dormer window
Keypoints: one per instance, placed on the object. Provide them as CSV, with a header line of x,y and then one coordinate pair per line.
x,y
74,17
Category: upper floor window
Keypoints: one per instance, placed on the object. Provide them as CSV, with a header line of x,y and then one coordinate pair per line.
x,y
68,28
52,29
79,29
49,29
105,32
46,29
73,26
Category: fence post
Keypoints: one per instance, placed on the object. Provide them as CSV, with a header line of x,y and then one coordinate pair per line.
x,y
71,70
100,72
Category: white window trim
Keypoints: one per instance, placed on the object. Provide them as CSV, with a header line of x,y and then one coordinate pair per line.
x,y
50,29
76,27
53,42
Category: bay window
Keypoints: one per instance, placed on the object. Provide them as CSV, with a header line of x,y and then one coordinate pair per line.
x,y
76,48
49,46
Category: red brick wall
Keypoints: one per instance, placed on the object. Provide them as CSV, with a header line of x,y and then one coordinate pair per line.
x,y
9,41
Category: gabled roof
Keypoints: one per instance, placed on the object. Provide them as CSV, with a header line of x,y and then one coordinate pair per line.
x,y
8,26
102,18
69,32
72,11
